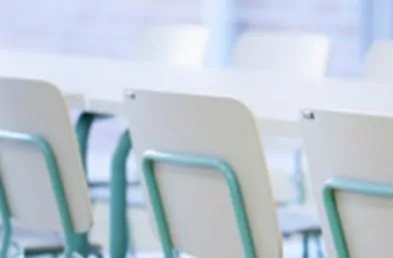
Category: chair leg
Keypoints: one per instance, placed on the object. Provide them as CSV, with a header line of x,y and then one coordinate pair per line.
x,y
119,235
306,240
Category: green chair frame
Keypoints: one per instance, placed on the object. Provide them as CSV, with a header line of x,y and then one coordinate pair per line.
x,y
333,216
216,164
74,241
121,240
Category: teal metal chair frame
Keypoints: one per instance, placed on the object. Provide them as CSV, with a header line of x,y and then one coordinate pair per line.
x,y
216,164
353,186
83,129
121,240
121,237
73,241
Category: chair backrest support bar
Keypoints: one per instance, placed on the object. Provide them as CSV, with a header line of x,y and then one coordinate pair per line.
x,y
47,152
332,212
216,164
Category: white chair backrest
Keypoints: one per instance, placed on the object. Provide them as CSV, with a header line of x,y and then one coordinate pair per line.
x,y
356,147
378,62
197,201
295,53
173,44
37,107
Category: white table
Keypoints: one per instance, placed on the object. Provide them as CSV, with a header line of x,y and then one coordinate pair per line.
x,y
96,85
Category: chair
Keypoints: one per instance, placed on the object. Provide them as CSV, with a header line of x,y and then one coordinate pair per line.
x,y
173,44
294,53
43,185
351,171
301,54
287,53
378,62
204,171
163,45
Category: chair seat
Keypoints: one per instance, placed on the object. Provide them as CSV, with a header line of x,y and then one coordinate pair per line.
x,y
298,220
135,197
36,242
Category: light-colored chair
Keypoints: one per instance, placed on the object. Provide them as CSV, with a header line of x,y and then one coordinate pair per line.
x,y
350,158
378,62
177,45
43,184
289,52
173,45
204,170
302,54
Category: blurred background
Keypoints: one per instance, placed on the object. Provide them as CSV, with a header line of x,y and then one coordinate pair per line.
x,y
109,28
112,29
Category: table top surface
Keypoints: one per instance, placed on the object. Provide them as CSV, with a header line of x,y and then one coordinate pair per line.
x,y
271,96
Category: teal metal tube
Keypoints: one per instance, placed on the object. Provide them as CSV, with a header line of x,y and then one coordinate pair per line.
x,y
83,129
353,186
119,236
218,165
72,241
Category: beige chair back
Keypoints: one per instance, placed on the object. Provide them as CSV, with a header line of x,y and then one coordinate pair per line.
x,y
355,147
38,108
196,200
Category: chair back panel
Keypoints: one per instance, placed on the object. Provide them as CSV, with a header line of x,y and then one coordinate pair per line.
x,y
356,147
196,200
36,107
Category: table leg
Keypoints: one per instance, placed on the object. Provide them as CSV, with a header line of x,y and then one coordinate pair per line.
x,y
119,237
